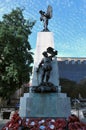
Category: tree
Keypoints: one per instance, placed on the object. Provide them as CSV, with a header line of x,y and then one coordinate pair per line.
x,y
68,86
72,88
15,52
80,89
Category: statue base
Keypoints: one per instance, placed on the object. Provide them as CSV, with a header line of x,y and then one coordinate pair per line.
x,y
45,87
45,105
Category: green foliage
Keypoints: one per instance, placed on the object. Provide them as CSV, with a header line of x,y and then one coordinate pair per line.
x,y
67,86
72,88
15,52
80,89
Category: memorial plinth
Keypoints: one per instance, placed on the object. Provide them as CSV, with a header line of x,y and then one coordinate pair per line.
x,y
45,104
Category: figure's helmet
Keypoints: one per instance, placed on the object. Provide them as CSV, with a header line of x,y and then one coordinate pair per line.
x,y
52,51
41,12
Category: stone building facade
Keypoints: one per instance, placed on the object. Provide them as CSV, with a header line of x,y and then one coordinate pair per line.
x,y
72,68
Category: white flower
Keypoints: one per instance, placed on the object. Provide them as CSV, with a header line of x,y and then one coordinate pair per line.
x,y
42,127
27,119
32,123
6,128
26,123
52,120
42,121
19,121
52,127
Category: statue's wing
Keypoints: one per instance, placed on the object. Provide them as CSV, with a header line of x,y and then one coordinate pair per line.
x,y
49,11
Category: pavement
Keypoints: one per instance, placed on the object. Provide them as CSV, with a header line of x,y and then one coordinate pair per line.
x,y
3,122
79,113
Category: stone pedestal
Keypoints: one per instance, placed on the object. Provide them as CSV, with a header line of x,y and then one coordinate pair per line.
x,y
45,105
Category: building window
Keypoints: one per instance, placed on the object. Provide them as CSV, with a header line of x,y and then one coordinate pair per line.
x,y
84,61
72,62
78,61
66,62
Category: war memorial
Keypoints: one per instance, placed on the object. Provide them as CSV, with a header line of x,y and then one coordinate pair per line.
x,y
45,98
45,107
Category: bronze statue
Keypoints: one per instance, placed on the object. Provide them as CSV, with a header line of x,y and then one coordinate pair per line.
x,y
44,70
45,16
45,64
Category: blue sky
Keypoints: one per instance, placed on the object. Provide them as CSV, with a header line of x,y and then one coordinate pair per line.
x,y
68,23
